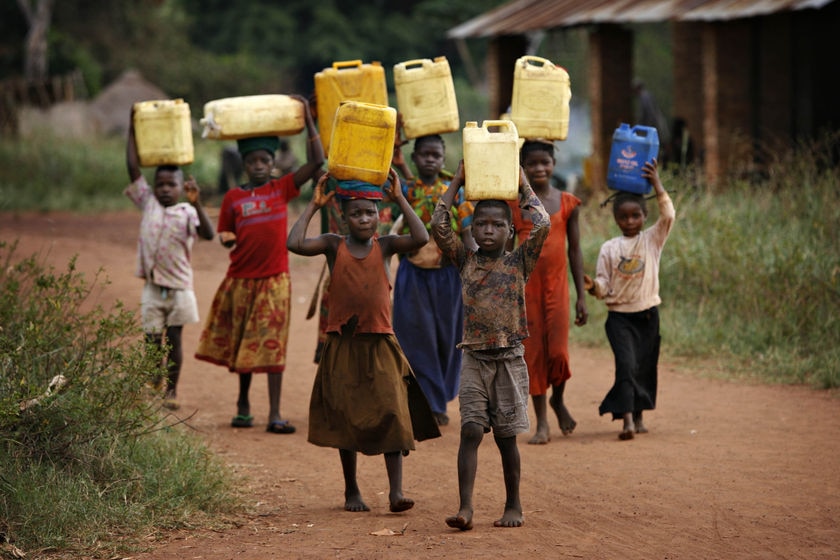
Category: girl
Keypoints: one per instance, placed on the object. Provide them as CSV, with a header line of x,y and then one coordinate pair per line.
x,y
248,326
428,310
627,279
547,291
361,396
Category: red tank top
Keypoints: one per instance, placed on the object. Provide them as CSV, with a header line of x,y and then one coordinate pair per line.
x,y
359,287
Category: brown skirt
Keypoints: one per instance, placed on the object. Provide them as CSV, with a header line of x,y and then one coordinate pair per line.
x,y
248,326
365,397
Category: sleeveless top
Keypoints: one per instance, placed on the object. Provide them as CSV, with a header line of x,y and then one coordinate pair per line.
x,y
359,288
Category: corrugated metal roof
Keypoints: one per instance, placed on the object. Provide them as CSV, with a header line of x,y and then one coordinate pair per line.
x,y
522,16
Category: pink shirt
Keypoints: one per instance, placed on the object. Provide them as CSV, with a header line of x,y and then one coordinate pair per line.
x,y
627,274
167,234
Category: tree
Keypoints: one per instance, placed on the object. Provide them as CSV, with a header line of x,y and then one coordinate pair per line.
x,y
38,15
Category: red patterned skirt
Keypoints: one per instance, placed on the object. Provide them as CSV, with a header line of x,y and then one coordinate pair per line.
x,y
247,329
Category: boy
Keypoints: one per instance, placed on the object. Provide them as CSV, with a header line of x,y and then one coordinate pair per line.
x,y
167,233
494,378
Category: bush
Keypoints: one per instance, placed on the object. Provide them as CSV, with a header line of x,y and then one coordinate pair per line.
x,y
85,450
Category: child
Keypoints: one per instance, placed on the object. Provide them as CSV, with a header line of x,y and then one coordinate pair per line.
x,y
547,291
168,230
428,310
248,326
494,378
627,279
360,400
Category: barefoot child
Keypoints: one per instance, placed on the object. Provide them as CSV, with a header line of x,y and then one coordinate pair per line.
x,y
627,279
360,399
547,291
167,233
493,393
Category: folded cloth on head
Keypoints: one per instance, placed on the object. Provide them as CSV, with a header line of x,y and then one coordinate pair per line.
x,y
351,188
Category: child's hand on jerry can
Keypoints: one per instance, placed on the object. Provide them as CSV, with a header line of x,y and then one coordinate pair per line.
x,y
392,188
523,179
319,199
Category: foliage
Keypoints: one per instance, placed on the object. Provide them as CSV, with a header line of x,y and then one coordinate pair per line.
x,y
85,452
750,275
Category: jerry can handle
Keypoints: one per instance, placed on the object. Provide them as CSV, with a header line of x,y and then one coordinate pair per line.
x,y
347,64
500,123
533,59
415,62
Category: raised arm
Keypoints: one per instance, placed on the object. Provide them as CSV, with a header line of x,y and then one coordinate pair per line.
x,y
297,242
132,160
193,192
417,233
314,148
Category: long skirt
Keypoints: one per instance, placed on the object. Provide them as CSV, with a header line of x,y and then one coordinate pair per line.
x,y
248,326
428,321
363,399
634,338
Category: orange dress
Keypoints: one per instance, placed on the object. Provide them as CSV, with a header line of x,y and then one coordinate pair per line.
x,y
547,302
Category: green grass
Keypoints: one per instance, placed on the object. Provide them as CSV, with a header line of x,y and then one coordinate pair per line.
x,y
49,174
750,277
95,464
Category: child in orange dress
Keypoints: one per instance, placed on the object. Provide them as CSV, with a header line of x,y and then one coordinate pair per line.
x,y
547,291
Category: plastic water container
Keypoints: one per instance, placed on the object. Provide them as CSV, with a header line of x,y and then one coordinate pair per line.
x,y
248,116
348,80
163,132
631,148
491,160
426,97
362,142
540,101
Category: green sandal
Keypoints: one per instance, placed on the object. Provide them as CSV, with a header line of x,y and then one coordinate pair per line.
x,y
242,421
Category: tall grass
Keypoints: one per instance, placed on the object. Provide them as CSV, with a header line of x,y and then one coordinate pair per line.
x,y
750,276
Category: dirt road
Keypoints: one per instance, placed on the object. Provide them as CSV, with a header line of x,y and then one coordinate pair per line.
x,y
728,470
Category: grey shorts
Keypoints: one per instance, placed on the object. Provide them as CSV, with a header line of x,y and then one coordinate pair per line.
x,y
164,307
494,391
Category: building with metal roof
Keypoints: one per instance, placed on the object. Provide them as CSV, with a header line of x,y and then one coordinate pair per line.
x,y
750,76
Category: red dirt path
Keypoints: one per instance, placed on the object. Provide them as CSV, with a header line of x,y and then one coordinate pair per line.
x,y
728,470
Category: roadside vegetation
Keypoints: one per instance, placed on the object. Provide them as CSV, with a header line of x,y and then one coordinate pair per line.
x,y
89,460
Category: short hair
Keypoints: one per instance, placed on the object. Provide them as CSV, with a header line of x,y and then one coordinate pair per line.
x,y
531,146
623,196
493,203
169,168
429,138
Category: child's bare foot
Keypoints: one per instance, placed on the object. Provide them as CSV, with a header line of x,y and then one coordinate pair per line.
x,y
353,502
462,521
511,518
640,427
567,423
541,437
400,503
628,429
